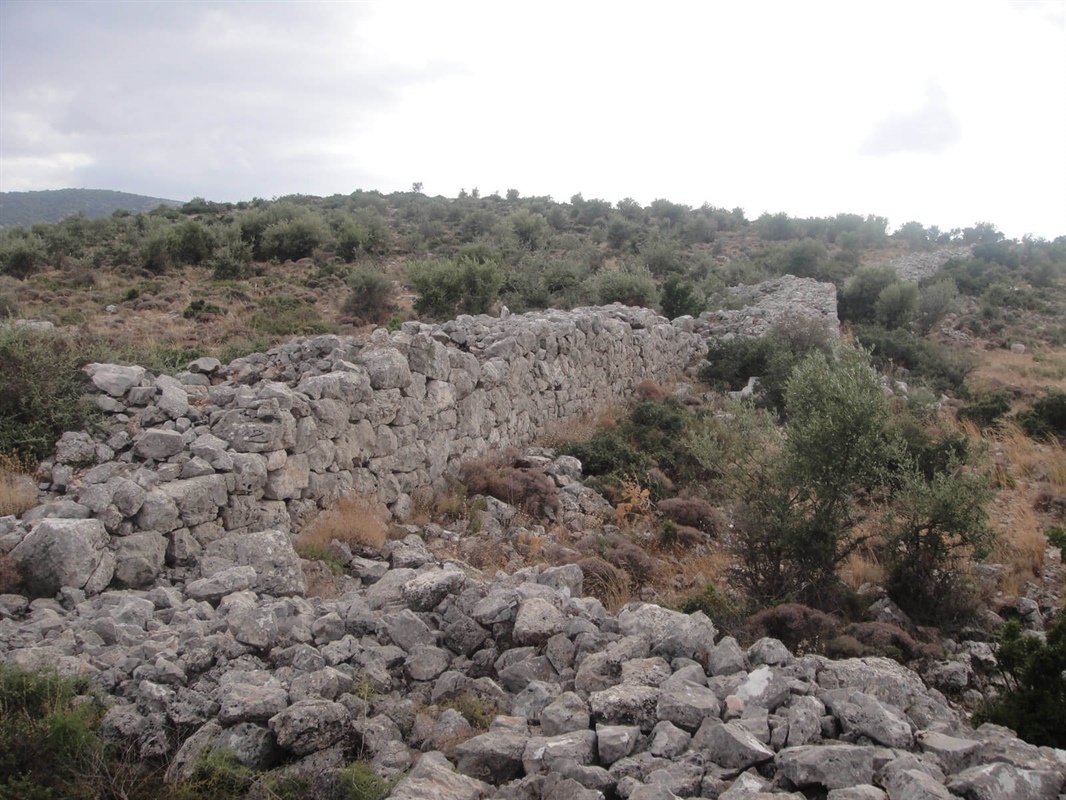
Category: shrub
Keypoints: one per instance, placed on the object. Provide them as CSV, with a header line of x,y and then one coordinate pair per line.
x,y
606,453
986,410
943,368
448,287
365,232
21,254
858,298
371,298
359,522
793,528
1047,417
796,625
770,358
358,781
692,512
218,775
530,228
632,285
48,738
1034,703
199,307
896,304
41,391
293,239
285,315
934,303
155,253
507,477
679,299
938,525
727,612
190,243
806,258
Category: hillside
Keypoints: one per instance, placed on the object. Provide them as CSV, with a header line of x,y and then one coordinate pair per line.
x,y
388,474
54,205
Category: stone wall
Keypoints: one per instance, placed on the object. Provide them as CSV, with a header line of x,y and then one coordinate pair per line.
x,y
267,441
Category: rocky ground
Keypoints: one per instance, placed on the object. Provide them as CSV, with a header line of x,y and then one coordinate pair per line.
x,y
467,685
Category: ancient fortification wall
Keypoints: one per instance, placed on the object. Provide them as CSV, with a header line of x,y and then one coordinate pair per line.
x,y
184,462
266,441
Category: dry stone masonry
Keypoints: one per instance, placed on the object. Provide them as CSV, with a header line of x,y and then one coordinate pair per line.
x,y
161,566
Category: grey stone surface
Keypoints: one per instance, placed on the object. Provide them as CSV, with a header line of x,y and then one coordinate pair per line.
x,y
65,552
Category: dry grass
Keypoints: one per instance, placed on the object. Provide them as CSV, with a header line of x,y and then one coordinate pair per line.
x,y
360,522
1024,376
18,492
863,567
579,428
1022,546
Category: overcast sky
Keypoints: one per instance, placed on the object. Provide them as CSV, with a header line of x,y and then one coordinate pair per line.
x,y
944,111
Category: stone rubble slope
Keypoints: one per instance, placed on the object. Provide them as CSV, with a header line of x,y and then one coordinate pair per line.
x,y
645,703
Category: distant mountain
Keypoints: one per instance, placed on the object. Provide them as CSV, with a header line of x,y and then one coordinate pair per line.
x,y
26,208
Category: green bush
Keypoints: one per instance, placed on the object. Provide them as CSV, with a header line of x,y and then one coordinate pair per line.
x,y
155,253
1047,417
858,298
447,287
986,410
190,243
293,239
358,781
218,775
896,304
944,368
371,298
679,299
939,523
771,358
606,453
365,232
197,308
285,315
632,285
935,301
48,739
21,254
794,526
41,390
1034,702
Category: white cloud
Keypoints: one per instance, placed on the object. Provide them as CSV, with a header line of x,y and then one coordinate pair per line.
x,y
765,105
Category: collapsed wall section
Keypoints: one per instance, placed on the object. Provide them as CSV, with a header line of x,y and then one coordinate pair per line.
x,y
270,439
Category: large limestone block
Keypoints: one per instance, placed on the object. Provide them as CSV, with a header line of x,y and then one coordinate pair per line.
x,y
865,715
349,387
65,552
139,558
197,499
832,766
495,756
248,432
434,777
387,368
310,725
114,379
730,745
270,553
537,621
1002,781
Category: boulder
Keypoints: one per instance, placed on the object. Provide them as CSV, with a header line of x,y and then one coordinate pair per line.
x,y
269,553
65,552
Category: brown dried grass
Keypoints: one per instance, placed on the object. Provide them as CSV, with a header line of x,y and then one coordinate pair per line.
x,y
357,521
18,491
